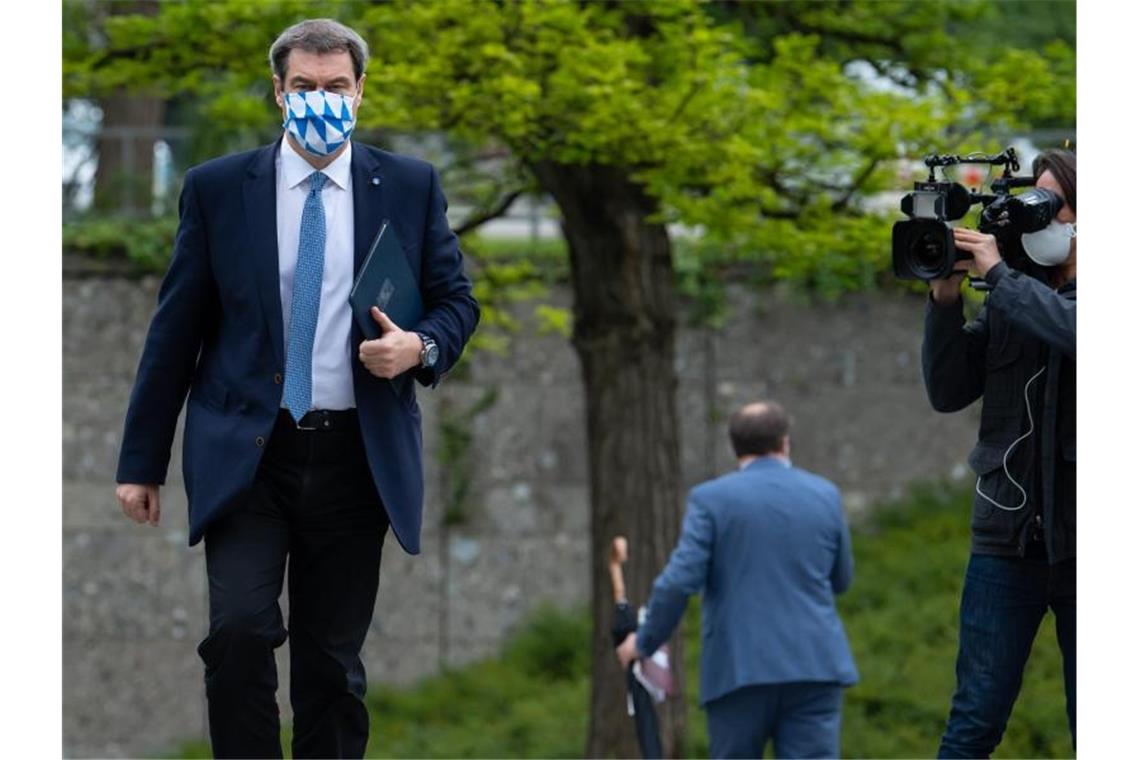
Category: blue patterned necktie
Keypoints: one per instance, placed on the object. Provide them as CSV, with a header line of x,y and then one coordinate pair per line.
x,y
298,395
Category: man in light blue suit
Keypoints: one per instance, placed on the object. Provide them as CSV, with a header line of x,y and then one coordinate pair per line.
x,y
769,548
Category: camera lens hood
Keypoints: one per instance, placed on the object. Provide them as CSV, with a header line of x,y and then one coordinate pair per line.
x,y
1033,209
922,249
957,201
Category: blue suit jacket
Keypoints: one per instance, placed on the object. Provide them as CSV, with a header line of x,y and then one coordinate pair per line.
x,y
217,333
769,548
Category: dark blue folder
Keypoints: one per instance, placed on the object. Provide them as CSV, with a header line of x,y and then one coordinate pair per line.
x,y
386,281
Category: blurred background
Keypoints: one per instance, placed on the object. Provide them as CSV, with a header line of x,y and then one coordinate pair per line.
x,y
747,159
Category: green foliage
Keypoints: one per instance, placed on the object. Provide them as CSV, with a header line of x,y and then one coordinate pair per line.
x,y
766,140
531,701
553,645
901,618
547,254
1046,27
508,272
755,122
703,269
144,244
557,82
553,320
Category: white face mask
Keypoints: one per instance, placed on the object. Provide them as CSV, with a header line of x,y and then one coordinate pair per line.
x,y
1050,246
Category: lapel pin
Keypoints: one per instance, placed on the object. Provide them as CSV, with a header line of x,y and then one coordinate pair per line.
x,y
375,180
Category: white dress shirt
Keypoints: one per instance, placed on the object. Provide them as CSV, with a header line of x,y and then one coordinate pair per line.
x,y
332,350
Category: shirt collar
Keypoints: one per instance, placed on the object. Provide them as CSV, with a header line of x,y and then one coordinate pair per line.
x,y
296,169
768,461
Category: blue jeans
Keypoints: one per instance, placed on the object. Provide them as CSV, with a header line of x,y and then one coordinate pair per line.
x,y
802,718
1003,602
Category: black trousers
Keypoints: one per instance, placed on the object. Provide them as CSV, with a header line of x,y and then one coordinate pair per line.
x,y
313,504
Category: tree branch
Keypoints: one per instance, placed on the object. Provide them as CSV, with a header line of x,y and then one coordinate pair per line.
x,y
482,216
773,213
864,175
688,97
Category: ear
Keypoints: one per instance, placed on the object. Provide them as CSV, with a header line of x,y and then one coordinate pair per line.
x,y
278,92
359,93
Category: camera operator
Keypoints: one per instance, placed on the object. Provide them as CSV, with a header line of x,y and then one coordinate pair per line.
x,y
1019,356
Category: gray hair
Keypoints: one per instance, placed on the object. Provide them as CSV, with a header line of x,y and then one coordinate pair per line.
x,y
318,35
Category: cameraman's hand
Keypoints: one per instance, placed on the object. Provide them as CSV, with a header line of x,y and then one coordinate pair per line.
x,y
948,290
982,246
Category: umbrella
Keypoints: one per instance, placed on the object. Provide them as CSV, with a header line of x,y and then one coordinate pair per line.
x,y
648,680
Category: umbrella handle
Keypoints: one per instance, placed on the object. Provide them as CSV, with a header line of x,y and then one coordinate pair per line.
x,y
618,556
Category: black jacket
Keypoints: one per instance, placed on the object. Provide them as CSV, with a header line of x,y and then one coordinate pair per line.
x,y
1025,328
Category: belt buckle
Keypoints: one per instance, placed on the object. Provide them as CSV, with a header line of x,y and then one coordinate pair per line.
x,y
322,418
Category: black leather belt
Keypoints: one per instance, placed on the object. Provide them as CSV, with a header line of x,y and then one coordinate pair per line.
x,y
325,420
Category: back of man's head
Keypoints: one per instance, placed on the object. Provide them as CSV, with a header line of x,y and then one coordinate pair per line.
x,y
759,429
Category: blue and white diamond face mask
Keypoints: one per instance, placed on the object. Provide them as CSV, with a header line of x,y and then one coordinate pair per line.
x,y
321,121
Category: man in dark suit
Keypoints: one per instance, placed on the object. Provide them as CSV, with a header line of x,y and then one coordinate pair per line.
x,y
302,439
768,546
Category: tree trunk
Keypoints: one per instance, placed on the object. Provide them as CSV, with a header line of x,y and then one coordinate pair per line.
x,y
624,326
124,174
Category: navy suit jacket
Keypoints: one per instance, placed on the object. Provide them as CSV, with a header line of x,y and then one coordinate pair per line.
x,y
769,548
217,333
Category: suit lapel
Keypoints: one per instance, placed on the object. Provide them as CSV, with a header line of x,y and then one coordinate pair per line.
x,y
260,191
367,202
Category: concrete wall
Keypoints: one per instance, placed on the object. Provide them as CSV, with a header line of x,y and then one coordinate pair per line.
x,y
135,597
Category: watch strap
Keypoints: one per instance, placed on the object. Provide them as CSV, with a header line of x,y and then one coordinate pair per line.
x,y
428,344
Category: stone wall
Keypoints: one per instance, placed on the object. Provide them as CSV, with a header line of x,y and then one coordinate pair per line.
x,y
135,597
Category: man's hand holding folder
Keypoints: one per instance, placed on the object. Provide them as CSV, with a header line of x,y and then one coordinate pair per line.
x,y
394,352
385,286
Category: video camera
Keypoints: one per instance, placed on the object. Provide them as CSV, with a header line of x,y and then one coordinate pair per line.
x,y
922,247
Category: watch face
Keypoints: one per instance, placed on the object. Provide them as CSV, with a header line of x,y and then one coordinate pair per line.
x,y
431,355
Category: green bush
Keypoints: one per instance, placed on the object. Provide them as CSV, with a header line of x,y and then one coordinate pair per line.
x,y
531,701
145,244
148,244
901,617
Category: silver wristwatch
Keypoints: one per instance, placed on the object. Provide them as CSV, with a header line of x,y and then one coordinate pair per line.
x,y
429,355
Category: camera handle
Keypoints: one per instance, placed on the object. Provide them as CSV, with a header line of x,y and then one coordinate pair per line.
x,y
980,284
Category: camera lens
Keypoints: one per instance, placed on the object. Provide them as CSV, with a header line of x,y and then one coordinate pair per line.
x,y
928,254
922,249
